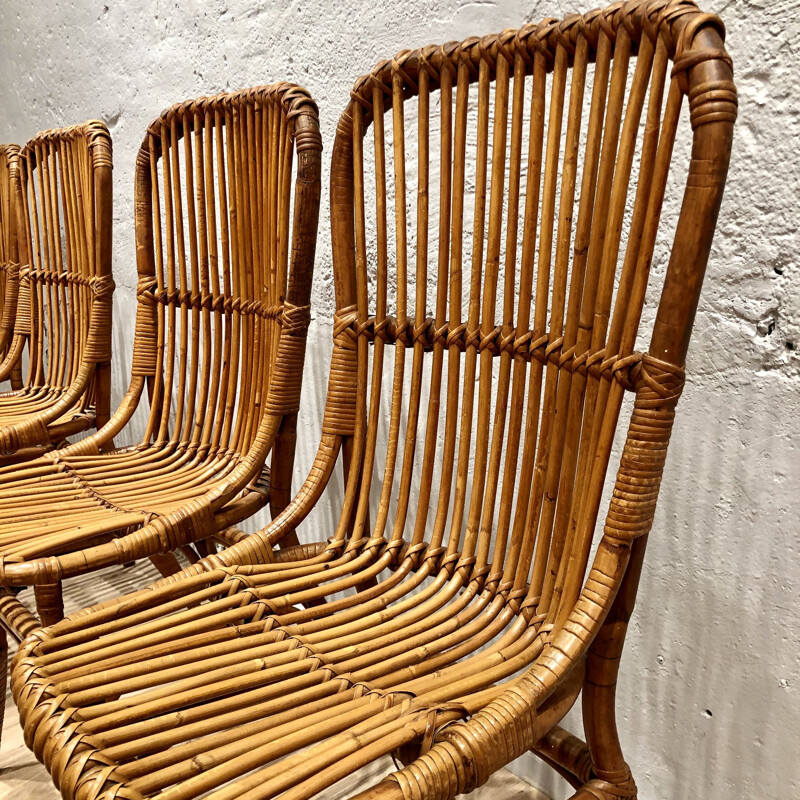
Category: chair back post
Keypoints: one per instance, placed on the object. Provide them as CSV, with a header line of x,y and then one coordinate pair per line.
x,y
286,380
98,349
17,317
346,397
24,319
703,65
9,255
712,104
145,340
307,193
343,213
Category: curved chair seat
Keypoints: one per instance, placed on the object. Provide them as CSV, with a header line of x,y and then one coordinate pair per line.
x,y
72,502
211,678
17,407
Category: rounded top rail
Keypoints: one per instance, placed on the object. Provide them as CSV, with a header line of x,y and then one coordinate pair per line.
x,y
676,21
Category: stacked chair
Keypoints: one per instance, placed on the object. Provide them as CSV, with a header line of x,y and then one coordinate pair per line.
x,y
9,261
59,229
495,209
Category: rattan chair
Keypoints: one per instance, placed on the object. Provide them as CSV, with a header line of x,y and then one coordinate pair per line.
x,y
60,205
476,381
225,265
9,261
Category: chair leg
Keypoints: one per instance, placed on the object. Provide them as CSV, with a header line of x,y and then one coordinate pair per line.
x,y
49,602
166,563
102,403
16,376
3,677
600,790
567,755
613,779
282,467
205,547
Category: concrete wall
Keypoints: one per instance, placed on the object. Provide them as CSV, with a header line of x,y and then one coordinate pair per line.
x,y
710,686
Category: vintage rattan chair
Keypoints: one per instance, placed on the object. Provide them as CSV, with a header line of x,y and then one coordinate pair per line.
x,y
9,260
225,265
457,628
60,205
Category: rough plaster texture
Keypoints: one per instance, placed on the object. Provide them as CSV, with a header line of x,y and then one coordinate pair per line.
x,y
710,685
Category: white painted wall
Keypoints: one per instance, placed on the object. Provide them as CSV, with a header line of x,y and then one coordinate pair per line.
x,y
710,687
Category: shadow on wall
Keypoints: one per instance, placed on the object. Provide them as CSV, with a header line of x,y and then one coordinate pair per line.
x,y
708,690
709,683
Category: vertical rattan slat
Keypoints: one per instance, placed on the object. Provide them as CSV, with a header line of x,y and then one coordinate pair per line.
x,y
485,340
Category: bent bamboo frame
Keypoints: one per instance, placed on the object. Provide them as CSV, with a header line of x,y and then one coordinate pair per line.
x,y
60,289
9,255
450,621
225,265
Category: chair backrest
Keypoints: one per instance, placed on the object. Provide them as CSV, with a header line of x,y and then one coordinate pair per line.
x,y
9,257
495,207
64,237
223,260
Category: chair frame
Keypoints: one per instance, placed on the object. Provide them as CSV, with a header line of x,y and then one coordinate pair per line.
x,y
214,506
592,633
9,255
50,287
455,726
